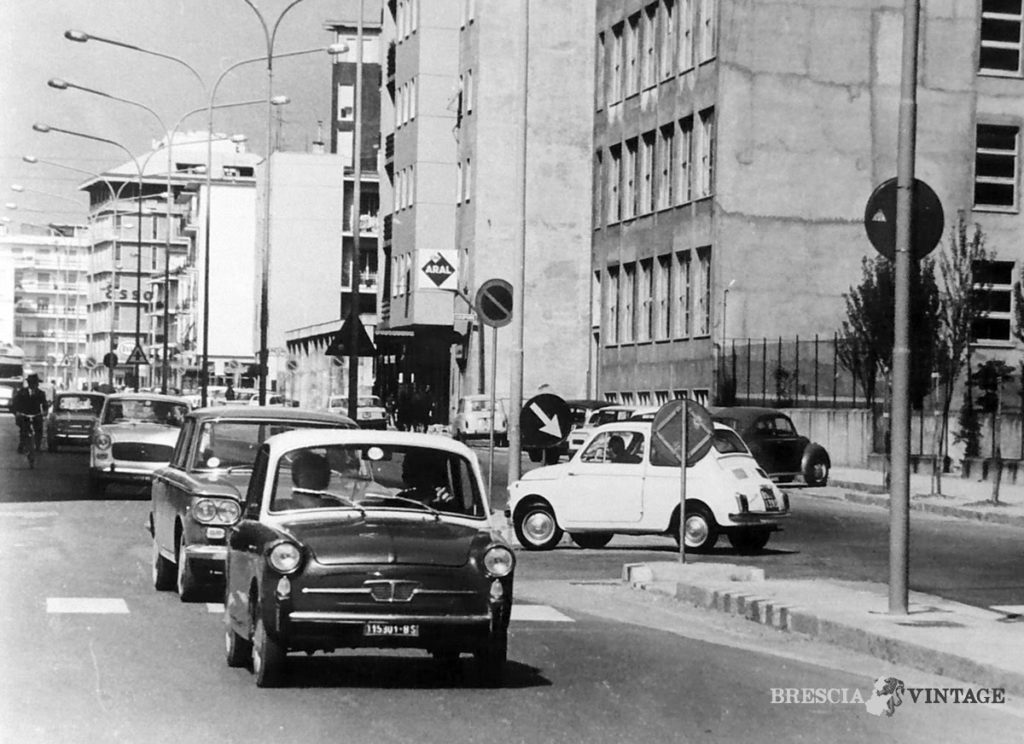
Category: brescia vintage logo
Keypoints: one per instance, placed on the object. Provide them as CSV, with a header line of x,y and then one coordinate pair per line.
x,y
886,695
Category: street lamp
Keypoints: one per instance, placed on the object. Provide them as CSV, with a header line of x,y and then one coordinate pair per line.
x,y
338,48
45,129
59,84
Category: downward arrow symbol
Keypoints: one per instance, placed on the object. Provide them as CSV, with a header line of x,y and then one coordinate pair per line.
x,y
550,423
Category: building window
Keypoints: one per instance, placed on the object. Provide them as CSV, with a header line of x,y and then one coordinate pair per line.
x,y
629,170
632,54
681,290
467,96
645,301
467,179
412,99
459,184
684,166
646,176
649,67
663,298
615,52
995,167
628,292
600,192
686,35
1001,23
346,102
706,154
600,63
708,29
614,184
667,34
995,281
611,329
595,301
665,155
702,290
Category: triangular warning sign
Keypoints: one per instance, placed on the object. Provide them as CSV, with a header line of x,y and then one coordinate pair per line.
x,y
138,356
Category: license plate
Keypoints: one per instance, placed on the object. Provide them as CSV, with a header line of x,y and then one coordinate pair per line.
x,y
389,629
769,500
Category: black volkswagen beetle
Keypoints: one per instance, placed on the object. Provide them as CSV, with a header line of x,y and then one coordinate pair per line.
x,y
198,495
359,538
778,448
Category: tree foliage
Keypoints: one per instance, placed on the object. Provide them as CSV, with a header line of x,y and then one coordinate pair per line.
x,y
867,335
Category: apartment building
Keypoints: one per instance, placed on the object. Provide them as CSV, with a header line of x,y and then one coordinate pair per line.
x,y
736,145
44,282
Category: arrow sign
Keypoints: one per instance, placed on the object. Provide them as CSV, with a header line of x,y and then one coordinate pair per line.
x,y
544,421
138,356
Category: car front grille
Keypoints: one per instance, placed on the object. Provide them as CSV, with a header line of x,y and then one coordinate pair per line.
x,y
142,451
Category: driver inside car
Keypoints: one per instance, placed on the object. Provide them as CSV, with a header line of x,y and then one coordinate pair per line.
x,y
424,477
311,474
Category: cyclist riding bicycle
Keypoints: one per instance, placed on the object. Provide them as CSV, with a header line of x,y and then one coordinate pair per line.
x,y
29,405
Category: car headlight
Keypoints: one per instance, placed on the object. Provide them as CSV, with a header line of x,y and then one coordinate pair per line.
x,y
216,511
499,561
101,440
285,557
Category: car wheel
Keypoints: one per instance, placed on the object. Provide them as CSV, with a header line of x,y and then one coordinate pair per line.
x,y
268,657
749,541
237,650
591,540
701,530
816,472
95,486
163,571
536,527
491,659
187,583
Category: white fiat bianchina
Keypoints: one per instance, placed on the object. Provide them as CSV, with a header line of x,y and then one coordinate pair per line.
x,y
615,484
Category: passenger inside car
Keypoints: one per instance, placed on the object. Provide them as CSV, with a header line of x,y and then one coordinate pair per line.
x,y
311,475
617,450
424,477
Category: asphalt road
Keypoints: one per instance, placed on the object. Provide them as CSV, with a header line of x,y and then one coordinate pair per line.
x,y
91,653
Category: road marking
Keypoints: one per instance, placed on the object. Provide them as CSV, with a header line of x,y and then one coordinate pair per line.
x,y
539,613
213,607
30,514
86,605
1009,609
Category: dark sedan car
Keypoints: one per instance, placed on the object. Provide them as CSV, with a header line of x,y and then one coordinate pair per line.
x,y
197,497
773,440
353,539
72,418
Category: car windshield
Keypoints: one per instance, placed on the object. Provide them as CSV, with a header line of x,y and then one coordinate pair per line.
x,y
366,476
232,444
479,405
605,416
370,401
79,404
146,411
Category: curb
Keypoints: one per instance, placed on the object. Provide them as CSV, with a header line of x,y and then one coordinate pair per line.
x,y
868,496
793,619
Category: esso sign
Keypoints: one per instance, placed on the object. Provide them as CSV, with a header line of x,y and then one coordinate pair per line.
x,y
124,294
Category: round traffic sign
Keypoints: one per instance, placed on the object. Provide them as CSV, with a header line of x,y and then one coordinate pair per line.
x,y
667,433
926,223
90,362
544,421
292,365
110,359
494,303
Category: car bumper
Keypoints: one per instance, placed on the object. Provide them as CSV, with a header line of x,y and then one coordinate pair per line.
x,y
125,473
753,519
213,556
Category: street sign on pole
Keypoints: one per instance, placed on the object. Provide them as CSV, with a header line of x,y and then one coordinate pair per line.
x,y
544,421
138,356
494,303
666,433
927,219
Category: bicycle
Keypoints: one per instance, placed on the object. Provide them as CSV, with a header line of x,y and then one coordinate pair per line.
x,y
28,438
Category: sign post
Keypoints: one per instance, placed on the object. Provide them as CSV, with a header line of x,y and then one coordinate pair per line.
x,y
494,307
684,442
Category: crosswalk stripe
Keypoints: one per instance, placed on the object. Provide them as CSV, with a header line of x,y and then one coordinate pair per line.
x,y
539,613
86,605
214,607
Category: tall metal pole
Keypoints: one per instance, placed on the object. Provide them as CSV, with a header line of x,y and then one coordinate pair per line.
x,y
515,449
357,157
899,525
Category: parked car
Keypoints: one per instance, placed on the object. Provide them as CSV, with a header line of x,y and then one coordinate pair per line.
x,y
370,410
616,484
72,417
379,539
598,417
472,419
773,440
134,436
198,495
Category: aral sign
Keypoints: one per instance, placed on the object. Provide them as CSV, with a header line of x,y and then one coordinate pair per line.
x,y
437,269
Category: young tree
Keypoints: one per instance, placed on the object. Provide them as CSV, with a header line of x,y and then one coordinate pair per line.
x,y
989,379
962,304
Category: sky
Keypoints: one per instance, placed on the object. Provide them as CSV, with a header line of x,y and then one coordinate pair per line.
x,y
209,35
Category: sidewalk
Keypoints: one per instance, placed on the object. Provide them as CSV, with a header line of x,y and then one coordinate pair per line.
x,y
938,636
961,497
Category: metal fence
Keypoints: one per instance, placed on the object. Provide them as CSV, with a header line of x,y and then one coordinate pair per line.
x,y
792,373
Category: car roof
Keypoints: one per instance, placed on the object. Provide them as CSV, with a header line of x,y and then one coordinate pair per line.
x,y
645,426
290,440
587,403
264,413
745,414
148,396
78,393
